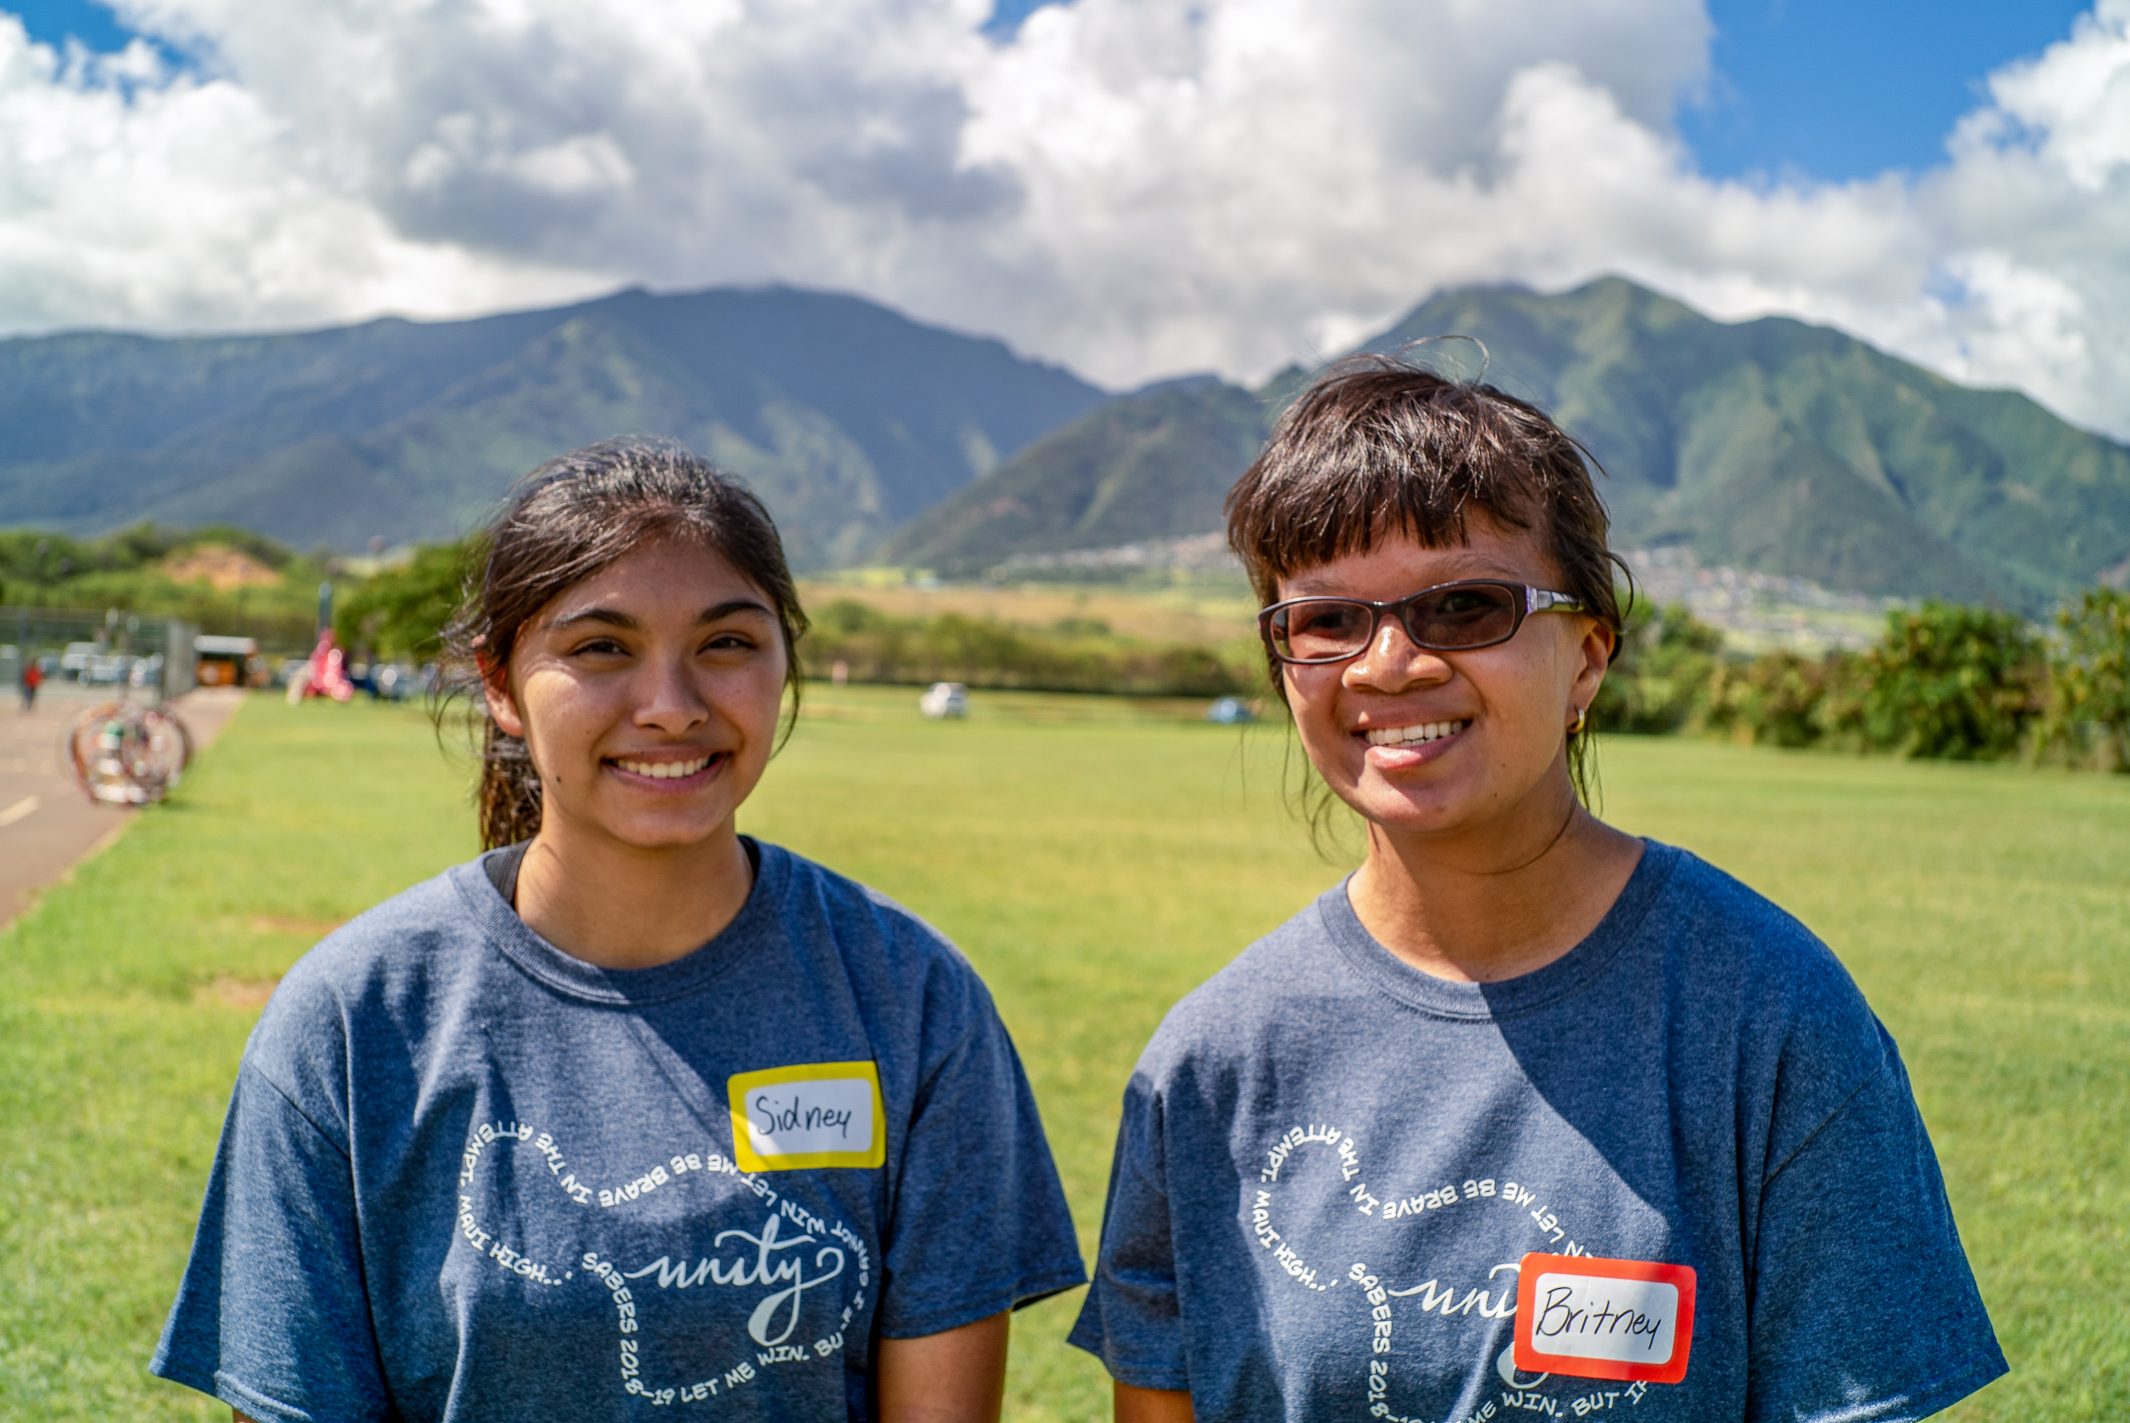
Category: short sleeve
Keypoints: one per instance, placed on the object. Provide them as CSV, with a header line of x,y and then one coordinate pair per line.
x,y
980,1223
272,1317
1863,1305
1131,1319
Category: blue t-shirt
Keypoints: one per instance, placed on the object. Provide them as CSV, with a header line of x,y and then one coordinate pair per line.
x,y
466,1176
1333,1167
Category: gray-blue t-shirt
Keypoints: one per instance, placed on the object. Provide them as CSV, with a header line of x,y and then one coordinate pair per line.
x,y
1335,1175
468,1177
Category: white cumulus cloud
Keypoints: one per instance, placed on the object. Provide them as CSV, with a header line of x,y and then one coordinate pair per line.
x,y
1135,187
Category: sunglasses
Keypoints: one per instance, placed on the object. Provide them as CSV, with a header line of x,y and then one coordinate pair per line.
x,y
1449,617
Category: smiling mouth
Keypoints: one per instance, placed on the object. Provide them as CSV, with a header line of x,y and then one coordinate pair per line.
x,y
1414,735
664,770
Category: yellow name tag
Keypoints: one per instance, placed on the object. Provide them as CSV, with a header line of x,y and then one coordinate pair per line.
x,y
809,1115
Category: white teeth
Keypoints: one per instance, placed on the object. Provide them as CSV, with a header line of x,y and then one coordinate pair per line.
x,y
1410,735
663,770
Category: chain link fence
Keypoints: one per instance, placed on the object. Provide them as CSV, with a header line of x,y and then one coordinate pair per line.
x,y
106,654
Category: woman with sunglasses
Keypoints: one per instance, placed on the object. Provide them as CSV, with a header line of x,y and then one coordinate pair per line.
x,y
1526,1116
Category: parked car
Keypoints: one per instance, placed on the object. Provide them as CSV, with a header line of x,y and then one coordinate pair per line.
x,y
75,659
396,682
1231,711
944,699
108,669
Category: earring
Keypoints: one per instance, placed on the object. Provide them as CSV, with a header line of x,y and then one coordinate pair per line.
x,y
1580,719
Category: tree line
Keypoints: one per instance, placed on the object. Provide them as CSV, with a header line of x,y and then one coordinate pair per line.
x,y
399,613
128,571
1943,680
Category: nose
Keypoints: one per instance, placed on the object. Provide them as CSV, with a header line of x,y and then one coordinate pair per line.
x,y
669,697
1392,661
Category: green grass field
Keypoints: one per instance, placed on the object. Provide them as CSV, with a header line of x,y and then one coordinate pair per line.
x,y
1096,859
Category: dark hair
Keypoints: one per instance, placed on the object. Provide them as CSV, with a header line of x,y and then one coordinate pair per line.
x,y
564,522
1380,446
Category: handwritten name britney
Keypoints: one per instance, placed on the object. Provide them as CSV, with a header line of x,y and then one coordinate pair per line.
x,y
771,1116
1558,1318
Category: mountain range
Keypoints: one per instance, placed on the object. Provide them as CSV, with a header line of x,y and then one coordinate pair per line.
x,y
1766,445
846,417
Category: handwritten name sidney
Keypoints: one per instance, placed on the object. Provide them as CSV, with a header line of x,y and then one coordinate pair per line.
x,y
772,1115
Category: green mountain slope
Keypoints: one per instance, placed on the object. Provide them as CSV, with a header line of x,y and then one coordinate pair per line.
x,y
1786,448
848,418
1769,445
1152,463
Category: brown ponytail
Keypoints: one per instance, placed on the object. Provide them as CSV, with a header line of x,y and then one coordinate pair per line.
x,y
508,797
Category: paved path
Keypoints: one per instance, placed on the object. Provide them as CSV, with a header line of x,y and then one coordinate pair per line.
x,y
46,824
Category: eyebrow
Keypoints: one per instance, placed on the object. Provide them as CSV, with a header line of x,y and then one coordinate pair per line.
x,y
1307,587
614,617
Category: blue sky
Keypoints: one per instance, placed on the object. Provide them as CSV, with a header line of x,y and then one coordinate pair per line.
x,y
1838,89
55,21
1823,89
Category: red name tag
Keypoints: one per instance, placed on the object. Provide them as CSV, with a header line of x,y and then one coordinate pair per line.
x,y
1591,1318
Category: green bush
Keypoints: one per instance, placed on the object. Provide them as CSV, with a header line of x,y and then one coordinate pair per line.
x,y
400,612
1774,699
1954,682
1661,678
2087,720
1845,685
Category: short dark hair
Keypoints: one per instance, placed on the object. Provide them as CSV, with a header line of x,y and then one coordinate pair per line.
x,y
563,523
1379,446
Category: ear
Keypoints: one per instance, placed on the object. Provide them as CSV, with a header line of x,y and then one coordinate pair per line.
x,y
502,706
1595,648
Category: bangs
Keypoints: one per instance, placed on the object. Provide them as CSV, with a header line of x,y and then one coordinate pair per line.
x,y
1379,449
1310,517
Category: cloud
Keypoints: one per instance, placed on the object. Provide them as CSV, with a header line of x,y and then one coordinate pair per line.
x,y
133,195
2033,218
1135,187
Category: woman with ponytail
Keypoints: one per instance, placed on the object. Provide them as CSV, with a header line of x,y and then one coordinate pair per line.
x,y
633,1111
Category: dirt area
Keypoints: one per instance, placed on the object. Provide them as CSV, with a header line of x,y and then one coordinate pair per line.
x,y
247,993
220,567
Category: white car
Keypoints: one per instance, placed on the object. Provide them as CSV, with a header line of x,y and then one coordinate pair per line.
x,y
944,699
